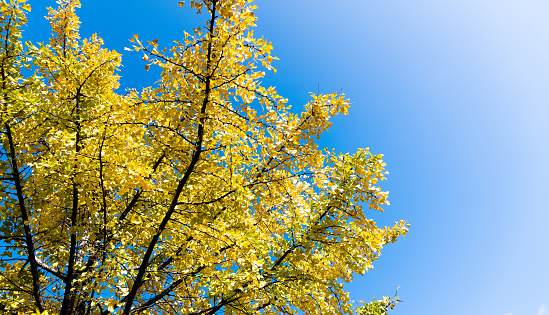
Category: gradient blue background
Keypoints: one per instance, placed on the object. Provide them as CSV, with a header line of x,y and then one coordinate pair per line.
x,y
455,94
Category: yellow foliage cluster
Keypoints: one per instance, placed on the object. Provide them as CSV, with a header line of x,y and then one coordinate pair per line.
x,y
203,193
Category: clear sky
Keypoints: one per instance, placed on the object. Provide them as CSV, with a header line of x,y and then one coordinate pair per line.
x,y
454,93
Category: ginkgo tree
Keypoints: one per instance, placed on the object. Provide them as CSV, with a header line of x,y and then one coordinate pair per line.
x,y
202,194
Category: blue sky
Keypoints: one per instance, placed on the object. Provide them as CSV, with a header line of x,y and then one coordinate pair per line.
x,y
455,94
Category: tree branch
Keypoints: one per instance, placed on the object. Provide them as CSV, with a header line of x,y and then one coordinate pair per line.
x,y
24,216
198,149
